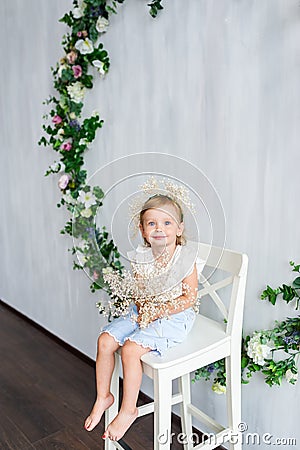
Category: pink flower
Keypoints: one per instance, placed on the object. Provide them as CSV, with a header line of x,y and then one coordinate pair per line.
x,y
71,57
63,181
83,33
66,146
77,70
57,119
95,275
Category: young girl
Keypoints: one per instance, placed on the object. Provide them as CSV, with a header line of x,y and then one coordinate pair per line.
x,y
145,328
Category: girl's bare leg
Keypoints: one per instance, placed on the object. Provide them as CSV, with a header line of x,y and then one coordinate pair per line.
x,y
132,378
105,363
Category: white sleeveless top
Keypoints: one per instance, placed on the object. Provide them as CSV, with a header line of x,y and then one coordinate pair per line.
x,y
166,279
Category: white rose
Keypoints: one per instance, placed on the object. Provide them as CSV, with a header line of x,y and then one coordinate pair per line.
x,y
107,270
76,91
258,351
79,11
291,377
86,213
60,69
84,46
102,24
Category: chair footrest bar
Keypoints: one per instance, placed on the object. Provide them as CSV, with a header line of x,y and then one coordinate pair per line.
x,y
214,440
149,407
204,418
145,409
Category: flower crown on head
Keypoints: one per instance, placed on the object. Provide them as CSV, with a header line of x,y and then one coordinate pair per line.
x,y
153,187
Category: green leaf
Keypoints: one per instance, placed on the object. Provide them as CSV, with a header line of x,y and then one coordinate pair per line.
x,y
296,283
244,362
155,6
288,293
98,192
270,294
296,268
93,33
43,141
67,19
109,9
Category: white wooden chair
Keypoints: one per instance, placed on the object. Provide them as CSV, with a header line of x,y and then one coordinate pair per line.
x,y
208,342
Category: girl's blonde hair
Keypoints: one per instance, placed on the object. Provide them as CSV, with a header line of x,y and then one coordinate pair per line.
x,y
158,201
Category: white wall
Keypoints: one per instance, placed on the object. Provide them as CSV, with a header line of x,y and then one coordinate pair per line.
x,y
215,82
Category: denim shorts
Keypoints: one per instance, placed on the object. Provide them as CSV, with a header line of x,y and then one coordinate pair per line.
x,y
160,334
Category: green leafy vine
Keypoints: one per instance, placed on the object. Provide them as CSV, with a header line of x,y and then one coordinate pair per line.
x,y
273,352
84,57
289,292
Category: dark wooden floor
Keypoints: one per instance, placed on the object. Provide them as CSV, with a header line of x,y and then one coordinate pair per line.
x,y
46,391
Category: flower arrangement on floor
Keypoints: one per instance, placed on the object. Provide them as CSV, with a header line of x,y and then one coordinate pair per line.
x,y
262,352
70,136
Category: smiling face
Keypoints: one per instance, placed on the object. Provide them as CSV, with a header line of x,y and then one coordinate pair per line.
x,y
161,227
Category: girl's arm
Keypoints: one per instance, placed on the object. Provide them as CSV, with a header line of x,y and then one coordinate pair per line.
x,y
184,301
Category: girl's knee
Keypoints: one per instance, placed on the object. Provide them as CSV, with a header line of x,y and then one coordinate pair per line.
x,y
129,346
132,349
106,343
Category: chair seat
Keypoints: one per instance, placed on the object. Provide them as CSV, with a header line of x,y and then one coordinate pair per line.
x,y
206,336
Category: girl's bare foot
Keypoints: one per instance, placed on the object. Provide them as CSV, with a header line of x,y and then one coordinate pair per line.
x,y
101,404
118,427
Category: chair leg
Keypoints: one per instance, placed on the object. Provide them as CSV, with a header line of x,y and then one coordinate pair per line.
x,y
186,417
162,411
233,394
111,412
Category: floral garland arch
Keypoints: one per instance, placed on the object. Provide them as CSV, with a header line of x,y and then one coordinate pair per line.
x,y
70,137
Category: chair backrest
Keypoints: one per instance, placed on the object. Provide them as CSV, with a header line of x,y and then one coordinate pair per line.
x,y
235,265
